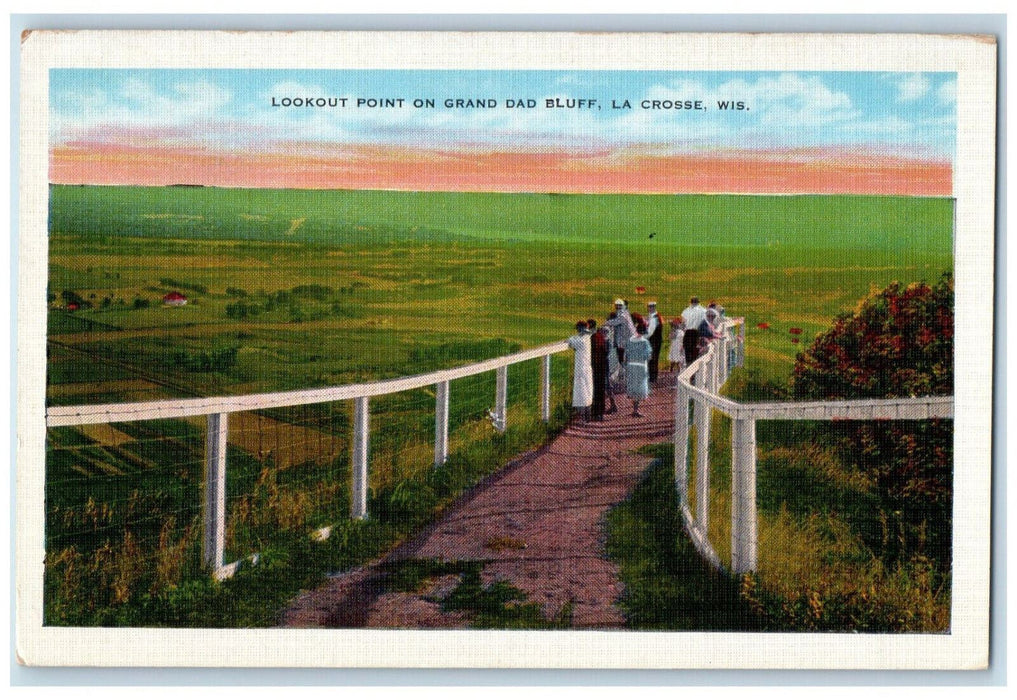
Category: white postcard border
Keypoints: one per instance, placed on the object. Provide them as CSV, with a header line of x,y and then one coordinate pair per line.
x,y
972,58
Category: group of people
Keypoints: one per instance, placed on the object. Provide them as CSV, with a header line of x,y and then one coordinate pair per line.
x,y
623,355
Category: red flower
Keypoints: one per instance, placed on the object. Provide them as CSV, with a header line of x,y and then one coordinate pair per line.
x,y
764,326
795,331
640,290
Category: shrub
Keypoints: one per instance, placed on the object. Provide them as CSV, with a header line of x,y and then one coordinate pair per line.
x,y
898,343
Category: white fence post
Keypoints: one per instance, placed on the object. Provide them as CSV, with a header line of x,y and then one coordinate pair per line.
x,y
361,439
741,344
501,399
743,496
702,418
441,423
214,543
722,359
545,388
681,446
715,369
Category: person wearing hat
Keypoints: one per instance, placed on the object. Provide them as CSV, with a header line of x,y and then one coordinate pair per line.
x,y
582,373
622,327
708,329
655,334
615,369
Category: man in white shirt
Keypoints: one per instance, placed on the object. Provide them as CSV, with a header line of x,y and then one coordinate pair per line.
x,y
694,315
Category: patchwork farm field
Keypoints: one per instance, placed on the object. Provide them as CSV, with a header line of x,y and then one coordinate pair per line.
x,y
323,287
292,289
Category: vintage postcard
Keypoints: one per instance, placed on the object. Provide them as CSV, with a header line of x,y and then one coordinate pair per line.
x,y
513,350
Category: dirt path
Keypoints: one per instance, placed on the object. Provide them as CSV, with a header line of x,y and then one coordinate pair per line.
x,y
537,524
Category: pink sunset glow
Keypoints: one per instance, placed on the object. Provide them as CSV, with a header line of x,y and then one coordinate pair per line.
x,y
819,171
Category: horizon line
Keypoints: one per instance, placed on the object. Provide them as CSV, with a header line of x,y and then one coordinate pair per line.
x,y
649,193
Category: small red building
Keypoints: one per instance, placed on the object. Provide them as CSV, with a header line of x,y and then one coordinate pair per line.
x,y
174,299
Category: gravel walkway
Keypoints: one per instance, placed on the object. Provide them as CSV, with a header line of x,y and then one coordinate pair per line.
x,y
538,524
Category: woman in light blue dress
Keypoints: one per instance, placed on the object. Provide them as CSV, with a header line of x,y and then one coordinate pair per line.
x,y
637,376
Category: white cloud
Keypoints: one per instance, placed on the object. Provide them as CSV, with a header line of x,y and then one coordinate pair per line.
x,y
914,87
947,92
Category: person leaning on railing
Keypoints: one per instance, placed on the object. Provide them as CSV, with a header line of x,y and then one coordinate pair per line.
x,y
708,329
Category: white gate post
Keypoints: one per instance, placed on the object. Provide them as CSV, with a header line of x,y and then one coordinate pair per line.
x,y
702,418
214,543
441,424
361,438
545,388
744,537
501,399
681,446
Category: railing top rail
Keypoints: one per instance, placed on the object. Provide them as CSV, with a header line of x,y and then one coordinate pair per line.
x,y
181,408
904,408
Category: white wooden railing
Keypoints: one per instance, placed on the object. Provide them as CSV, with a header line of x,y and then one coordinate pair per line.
x,y
217,410
699,384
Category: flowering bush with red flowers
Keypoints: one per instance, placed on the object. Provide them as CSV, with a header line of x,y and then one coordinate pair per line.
x,y
899,343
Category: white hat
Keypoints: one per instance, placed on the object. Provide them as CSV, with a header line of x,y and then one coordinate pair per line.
x,y
619,302
652,303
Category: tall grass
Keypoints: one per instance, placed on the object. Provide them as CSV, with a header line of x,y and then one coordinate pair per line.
x,y
815,573
829,558
123,581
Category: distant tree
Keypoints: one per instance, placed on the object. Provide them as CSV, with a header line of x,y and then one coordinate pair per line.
x,y
313,291
216,360
237,310
71,297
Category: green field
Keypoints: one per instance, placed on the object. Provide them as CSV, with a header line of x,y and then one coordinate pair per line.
x,y
300,289
406,271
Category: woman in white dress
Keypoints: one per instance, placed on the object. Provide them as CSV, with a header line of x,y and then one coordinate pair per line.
x,y
676,354
582,373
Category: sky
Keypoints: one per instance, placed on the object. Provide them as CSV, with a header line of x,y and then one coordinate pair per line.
x,y
529,131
